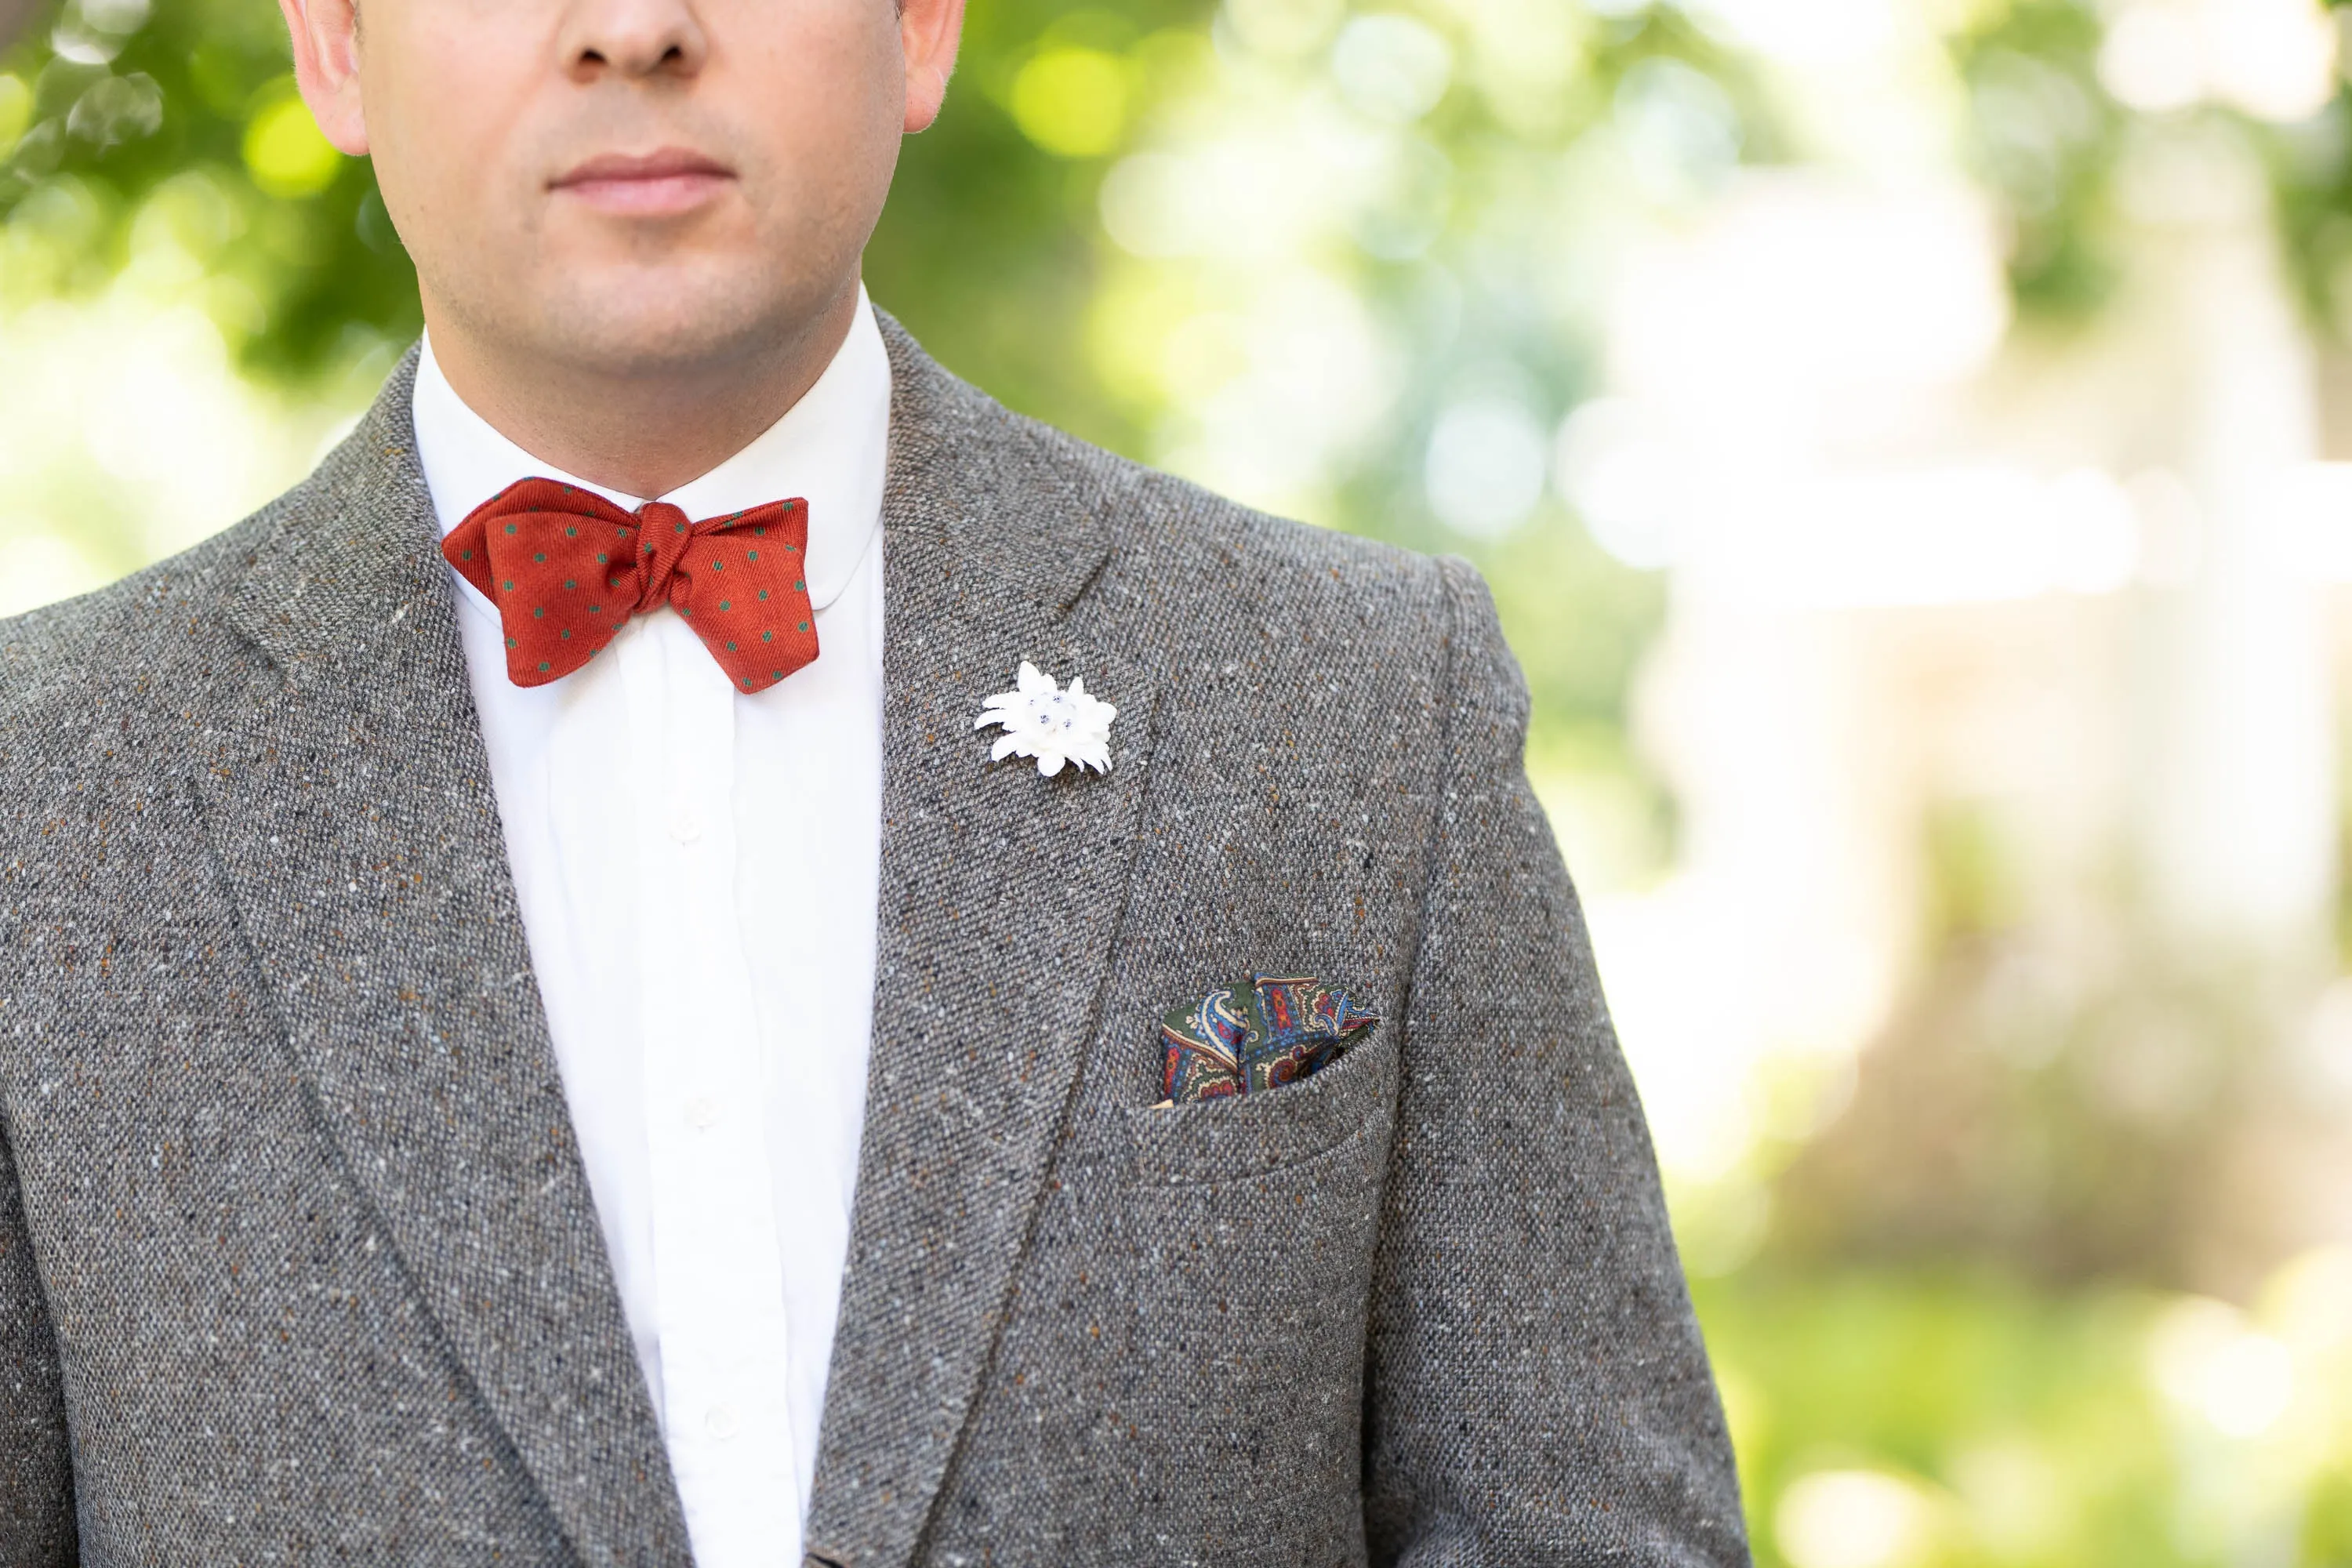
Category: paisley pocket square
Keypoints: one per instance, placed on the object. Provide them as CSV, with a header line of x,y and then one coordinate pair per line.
x,y
1254,1035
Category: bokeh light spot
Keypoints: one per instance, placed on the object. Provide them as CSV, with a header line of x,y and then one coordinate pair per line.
x,y
16,112
1073,103
1392,67
286,155
1853,1519
1487,465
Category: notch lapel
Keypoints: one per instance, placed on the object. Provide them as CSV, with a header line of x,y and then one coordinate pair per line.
x,y
1001,893
352,812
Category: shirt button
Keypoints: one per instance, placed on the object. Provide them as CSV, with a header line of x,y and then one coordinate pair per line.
x,y
702,1113
686,827
721,1422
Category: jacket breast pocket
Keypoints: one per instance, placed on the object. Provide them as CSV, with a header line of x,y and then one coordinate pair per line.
x,y
1188,1350
1251,1224
1245,1135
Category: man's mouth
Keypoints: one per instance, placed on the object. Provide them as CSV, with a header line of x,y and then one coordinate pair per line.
x,y
661,184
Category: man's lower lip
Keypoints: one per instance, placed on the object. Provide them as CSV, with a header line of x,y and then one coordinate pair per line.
x,y
661,194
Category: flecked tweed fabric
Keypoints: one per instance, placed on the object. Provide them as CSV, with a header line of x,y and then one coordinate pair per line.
x,y
298,1263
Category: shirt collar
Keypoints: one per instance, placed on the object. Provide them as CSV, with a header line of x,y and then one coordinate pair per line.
x,y
829,449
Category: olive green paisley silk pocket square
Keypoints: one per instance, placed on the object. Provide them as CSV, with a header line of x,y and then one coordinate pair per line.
x,y
1254,1036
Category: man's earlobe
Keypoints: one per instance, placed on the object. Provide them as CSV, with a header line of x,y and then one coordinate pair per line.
x,y
931,32
325,35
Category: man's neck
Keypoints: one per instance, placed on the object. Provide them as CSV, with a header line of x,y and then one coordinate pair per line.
x,y
644,434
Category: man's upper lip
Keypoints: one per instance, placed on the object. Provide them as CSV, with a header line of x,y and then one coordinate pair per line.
x,y
668,163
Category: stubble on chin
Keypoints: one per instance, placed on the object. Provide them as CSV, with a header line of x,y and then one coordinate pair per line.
x,y
661,312
670,301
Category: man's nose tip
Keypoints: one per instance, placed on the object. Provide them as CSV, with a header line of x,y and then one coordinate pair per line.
x,y
644,60
636,38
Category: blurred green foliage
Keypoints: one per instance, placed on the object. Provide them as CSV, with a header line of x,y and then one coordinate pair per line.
x,y
2044,136
184,118
2031,1424
2053,143
988,248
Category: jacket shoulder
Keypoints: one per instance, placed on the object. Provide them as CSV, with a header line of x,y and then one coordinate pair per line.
x,y
1206,570
127,636
1183,559
1162,512
97,690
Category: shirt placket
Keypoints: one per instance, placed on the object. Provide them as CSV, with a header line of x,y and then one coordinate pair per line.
x,y
717,1270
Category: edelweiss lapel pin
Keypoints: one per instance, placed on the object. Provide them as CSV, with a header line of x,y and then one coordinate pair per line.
x,y
1055,726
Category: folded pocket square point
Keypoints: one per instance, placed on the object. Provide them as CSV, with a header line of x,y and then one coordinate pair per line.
x,y
1257,1034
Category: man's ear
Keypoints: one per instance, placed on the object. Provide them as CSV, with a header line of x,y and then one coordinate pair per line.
x,y
930,31
327,67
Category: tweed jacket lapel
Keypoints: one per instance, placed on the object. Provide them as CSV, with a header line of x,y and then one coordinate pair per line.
x,y
1001,892
351,812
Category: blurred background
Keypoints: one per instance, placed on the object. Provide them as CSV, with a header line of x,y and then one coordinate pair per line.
x,y
1911,442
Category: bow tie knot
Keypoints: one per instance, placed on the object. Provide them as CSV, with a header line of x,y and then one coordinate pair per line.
x,y
567,569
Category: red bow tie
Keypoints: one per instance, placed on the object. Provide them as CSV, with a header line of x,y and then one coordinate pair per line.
x,y
567,568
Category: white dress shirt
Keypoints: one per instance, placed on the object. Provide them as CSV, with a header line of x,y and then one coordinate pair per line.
x,y
697,874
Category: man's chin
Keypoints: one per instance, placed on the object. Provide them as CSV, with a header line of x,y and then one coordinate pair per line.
x,y
650,324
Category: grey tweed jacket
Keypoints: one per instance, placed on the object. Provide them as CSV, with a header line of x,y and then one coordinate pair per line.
x,y
298,1262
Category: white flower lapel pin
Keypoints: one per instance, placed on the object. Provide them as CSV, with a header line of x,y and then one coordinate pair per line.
x,y
1055,726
